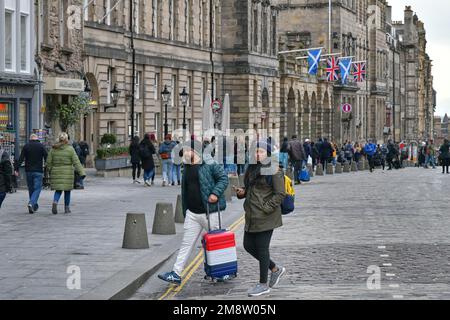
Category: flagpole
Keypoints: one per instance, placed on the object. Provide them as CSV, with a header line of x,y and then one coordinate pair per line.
x,y
329,27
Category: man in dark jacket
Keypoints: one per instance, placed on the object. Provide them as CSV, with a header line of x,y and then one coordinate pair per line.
x,y
34,155
391,154
297,157
203,185
5,175
325,151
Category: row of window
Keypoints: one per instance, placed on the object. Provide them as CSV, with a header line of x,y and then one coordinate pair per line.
x,y
193,23
17,30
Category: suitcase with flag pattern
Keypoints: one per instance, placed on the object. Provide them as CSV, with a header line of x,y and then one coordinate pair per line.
x,y
220,255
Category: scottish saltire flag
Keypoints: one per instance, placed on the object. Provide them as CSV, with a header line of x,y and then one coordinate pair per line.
x,y
345,65
359,71
313,61
332,69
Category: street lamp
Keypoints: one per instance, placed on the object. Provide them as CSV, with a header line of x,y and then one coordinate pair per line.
x,y
184,100
114,93
166,97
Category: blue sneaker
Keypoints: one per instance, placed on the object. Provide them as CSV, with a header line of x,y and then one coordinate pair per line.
x,y
170,277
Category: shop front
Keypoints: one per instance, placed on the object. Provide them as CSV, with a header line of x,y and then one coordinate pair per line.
x,y
16,115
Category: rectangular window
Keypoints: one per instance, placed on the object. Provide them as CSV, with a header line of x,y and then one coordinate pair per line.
x,y
157,88
137,125
171,20
137,17
111,127
24,43
86,10
186,20
6,115
157,122
137,85
173,90
189,90
109,81
107,9
155,18
9,40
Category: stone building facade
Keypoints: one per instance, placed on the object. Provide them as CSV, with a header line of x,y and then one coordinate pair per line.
x,y
172,41
307,21
420,98
59,58
19,94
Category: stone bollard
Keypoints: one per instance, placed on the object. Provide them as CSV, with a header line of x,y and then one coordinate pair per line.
x,y
338,168
346,167
310,170
330,169
319,170
354,167
135,235
164,222
361,165
179,217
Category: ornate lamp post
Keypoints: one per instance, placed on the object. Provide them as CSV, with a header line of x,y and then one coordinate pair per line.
x,y
165,94
184,100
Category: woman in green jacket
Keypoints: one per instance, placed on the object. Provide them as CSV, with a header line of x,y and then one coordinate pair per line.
x,y
263,195
61,162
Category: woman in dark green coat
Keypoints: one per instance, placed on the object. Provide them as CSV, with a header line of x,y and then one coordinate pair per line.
x,y
263,195
61,163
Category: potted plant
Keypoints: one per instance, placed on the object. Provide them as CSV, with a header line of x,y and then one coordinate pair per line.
x,y
109,156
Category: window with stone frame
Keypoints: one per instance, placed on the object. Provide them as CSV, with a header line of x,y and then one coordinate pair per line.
x,y
264,31
64,35
274,33
156,7
188,20
255,28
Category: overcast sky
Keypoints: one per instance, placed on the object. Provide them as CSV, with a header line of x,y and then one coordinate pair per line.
x,y
436,16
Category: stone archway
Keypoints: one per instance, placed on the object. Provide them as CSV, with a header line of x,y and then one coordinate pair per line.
x,y
291,123
306,117
314,118
326,116
265,109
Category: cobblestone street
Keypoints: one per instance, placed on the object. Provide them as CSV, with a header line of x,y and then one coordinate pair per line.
x,y
343,227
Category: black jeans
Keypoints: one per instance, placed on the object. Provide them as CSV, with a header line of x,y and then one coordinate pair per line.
x,y
371,162
445,165
257,244
136,167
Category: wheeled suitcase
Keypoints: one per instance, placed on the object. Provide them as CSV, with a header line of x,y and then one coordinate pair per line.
x,y
219,247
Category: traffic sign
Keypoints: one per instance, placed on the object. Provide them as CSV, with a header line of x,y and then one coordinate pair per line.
x,y
216,105
346,108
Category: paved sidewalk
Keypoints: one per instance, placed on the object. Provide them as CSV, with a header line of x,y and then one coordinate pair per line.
x,y
397,221
37,249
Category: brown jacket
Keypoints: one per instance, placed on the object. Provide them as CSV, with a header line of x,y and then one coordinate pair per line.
x,y
263,204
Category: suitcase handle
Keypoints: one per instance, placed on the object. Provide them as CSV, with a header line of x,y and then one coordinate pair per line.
x,y
218,212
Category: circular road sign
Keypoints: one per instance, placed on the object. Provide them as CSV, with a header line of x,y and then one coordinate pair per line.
x,y
216,105
346,108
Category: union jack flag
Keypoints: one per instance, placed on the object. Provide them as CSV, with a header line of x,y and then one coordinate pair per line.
x,y
359,71
332,69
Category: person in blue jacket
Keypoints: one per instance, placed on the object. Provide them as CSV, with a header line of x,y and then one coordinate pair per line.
x,y
370,149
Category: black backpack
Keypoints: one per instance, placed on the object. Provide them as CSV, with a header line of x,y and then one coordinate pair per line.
x,y
144,151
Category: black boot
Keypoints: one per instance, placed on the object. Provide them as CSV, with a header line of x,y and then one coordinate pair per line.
x,y
67,209
55,208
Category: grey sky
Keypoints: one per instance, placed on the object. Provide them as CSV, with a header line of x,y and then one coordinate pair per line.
x,y
436,16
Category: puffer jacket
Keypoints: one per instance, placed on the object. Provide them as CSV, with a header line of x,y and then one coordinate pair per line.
x,y
213,180
61,162
263,203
